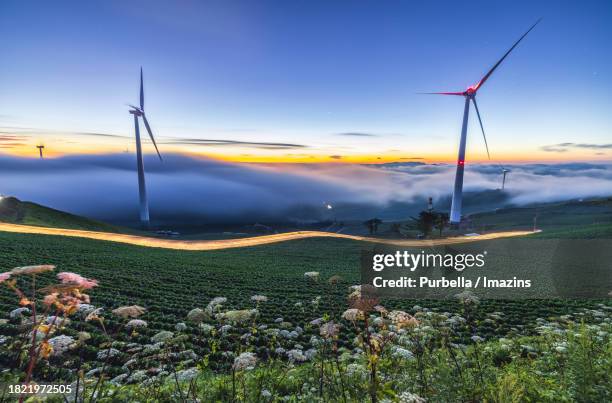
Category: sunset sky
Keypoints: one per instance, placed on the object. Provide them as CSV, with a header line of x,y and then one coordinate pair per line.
x,y
328,81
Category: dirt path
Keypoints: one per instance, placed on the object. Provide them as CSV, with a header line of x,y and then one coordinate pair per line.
x,y
242,242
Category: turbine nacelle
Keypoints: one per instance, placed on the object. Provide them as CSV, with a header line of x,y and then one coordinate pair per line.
x,y
471,91
134,110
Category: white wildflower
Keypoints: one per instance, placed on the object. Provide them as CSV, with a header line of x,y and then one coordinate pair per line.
x,y
407,397
107,353
467,298
85,309
61,344
187,375
136,323
196,315
19,312
353,315
296,355
312,275
206,328
238,316
119,379
162,336
245,361
401,352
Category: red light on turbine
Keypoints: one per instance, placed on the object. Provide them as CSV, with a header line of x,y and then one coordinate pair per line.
x,y
461,162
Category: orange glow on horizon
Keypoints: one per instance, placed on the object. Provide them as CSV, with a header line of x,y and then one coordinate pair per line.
x,y
50,151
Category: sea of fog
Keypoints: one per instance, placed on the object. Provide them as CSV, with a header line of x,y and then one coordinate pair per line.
x,y
184,189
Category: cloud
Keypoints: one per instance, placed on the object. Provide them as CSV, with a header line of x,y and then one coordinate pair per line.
x,y
554,149
22,132
589,146
357,134
198,190
564,147
10,140
98,134
335,157
217,142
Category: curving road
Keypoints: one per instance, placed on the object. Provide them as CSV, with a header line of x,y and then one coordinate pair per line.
x,y
243,242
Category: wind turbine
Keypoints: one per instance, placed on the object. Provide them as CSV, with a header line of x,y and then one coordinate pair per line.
x,y
470,95
504,172
40,149
142,189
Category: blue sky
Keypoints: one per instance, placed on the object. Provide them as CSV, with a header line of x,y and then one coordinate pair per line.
x,y
303,72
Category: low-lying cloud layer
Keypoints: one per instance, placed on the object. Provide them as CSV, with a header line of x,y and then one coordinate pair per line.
x,y
202,190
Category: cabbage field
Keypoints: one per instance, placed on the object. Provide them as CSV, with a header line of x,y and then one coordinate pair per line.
x,y
205,318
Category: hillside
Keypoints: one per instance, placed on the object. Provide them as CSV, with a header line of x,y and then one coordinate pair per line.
x,y
15,211
590,218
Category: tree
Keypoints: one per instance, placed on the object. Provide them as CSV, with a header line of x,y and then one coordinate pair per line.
x,y
396,228
372,225
441,221
425,222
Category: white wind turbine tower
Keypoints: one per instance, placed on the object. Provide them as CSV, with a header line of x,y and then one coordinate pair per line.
x,y
142,189
470,95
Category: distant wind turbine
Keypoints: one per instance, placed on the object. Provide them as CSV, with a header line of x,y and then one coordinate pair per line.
x,y
470,95
40,149
504,172
142,190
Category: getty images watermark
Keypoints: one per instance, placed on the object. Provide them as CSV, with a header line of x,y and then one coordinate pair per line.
x,y
412,261
500,269
405,260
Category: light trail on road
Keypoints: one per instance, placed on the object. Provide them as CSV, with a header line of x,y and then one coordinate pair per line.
x,y
196,245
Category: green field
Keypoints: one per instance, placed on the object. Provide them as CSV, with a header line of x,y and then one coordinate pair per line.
x,y
170,283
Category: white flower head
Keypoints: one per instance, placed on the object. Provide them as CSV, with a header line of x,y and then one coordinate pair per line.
x,y
245,361
259,298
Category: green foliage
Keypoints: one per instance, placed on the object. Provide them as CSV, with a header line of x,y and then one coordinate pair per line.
x,y
372,225
428,220
567,361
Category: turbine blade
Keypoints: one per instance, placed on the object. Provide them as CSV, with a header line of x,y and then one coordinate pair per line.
x,y
141,92
146,122
441,93
486,76
481,127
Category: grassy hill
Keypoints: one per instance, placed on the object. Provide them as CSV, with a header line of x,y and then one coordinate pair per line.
x,y
15,211
580,219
